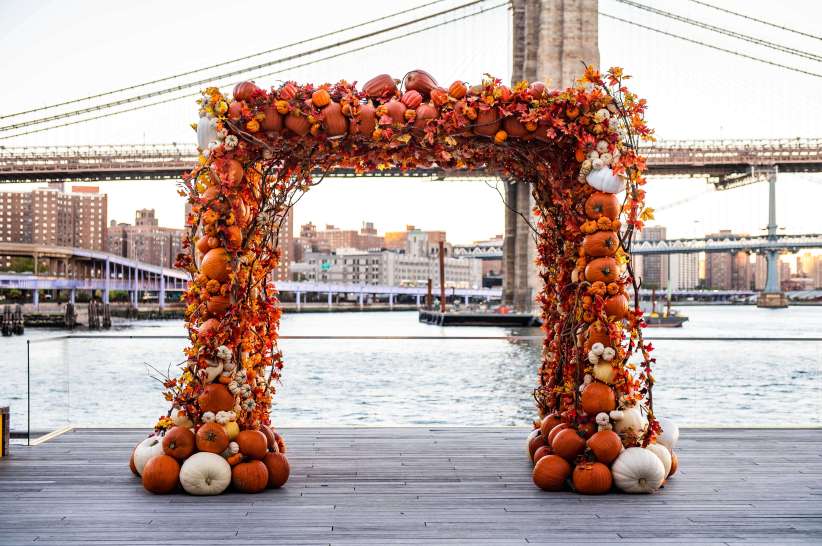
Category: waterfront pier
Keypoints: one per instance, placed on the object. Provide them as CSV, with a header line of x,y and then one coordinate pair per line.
x,y
421,486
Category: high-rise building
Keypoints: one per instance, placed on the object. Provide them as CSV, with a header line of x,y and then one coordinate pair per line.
x,y
728,271
817,275
684,271
285,242
146,241
805,265
653,269
49,216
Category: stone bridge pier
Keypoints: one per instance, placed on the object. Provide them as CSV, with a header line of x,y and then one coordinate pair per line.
x,y
552,39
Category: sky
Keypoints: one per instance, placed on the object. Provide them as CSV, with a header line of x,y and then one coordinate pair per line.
x,y
57,51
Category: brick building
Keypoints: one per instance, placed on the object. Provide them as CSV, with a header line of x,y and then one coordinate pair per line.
x,y
50,216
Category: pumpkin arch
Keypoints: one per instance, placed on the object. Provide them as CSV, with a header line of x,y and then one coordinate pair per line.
x,y
262,148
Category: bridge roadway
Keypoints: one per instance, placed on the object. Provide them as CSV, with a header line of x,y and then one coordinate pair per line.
x,y
719,160
754,243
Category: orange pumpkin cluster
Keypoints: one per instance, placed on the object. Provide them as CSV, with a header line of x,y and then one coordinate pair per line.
x,y
262,148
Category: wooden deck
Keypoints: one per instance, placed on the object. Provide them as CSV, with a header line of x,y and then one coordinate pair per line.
x,y
418,486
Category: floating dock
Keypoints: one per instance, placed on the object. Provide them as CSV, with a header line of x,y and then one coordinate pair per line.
x,y
420,486
466,318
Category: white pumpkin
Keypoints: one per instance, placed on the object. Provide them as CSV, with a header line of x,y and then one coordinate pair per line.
x,y
205,474
206,132
605,372
145,450
210,372
638,470
669,435
630,421
605,180
663,454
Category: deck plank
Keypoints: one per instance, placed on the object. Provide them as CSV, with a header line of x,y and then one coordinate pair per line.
x,y
419,486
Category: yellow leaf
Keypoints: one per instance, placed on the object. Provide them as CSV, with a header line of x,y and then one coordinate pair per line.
x,y
647,214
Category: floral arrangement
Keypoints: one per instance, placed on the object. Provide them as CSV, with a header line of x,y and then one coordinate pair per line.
x,y
261,149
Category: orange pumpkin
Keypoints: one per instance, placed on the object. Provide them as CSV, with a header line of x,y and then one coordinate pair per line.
x,y
674,464
249,477
598,397
514,127
425,112
592,478
271,440
212,437
278,469
233,237
605,445
411,99
380,86
536,90
161,474
215,264
367,119
600,244
297,123
596,333
280,442
179,443
568,444
396,111
556,430
535,441
616,307
273,121
245,90
420,81
602,204
207,327
203,244
235,110
457,90
487,123
541,452
439,96
320,98
601,269
215,398
253,444
217,305
288,91
550,473
335,122
549,422
230,171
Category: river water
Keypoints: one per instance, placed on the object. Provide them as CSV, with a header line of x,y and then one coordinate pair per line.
x,y
442,382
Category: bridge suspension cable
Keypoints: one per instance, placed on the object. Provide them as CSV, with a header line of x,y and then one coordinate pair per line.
x,y
711,46
726,32
289,68
237,72
760,21
218,65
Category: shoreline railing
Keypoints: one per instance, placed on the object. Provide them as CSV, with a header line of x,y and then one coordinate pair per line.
x,y
56,375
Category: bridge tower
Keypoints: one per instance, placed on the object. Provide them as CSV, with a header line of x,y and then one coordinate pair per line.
x,y
551,40
772,295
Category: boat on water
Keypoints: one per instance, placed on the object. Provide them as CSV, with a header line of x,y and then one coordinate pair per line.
x,y
667,318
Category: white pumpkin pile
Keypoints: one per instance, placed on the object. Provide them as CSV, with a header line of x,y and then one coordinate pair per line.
x,y
596,169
